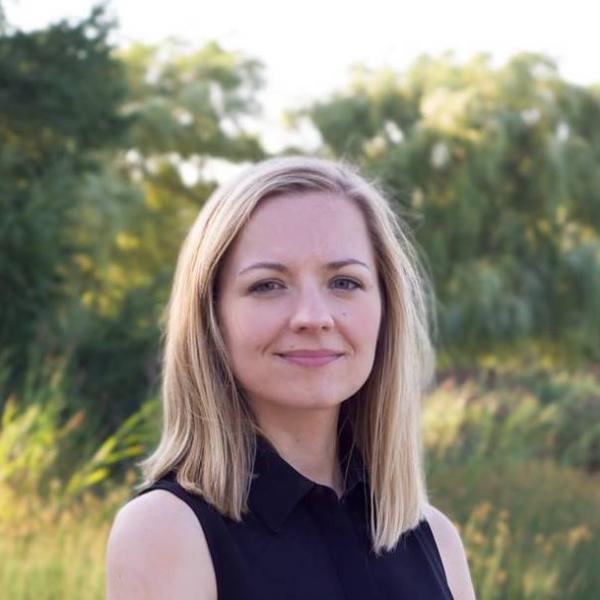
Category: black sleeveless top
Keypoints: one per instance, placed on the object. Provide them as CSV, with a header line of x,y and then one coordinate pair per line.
x,y
300,542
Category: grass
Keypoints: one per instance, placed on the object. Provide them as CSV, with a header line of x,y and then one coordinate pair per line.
x,y
514,464
58,552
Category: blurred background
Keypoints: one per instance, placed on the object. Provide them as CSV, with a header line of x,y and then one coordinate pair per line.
x,y
481,120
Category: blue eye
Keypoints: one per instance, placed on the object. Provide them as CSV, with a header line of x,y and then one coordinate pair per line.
x,y
354,284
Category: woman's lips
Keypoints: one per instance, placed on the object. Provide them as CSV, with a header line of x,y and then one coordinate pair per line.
x,y
310,361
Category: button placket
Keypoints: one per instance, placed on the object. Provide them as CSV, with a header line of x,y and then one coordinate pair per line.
x,y
343,542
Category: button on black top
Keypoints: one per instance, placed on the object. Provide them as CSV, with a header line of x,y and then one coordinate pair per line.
x,y
300,542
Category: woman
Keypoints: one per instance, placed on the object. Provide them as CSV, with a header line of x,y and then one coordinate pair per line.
x,y
296,356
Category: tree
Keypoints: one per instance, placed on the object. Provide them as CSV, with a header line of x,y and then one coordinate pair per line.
x,y
60,98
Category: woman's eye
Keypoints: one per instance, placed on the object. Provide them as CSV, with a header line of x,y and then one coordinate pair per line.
x,y
264,286
353,284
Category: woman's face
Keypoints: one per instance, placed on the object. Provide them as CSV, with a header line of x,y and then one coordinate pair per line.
x,y
301,301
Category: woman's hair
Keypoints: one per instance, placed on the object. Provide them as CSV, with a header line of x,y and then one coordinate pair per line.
x,y
209,433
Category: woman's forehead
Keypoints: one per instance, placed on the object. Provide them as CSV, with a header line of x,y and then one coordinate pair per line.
x,y
294,218
312,226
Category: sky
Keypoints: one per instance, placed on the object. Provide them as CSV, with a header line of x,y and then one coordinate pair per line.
x,y
308,47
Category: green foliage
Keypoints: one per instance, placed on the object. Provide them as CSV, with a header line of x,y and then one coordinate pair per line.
x,y
132,439
57,489
60,97
531,413
530,529
496,171
45,450
192,103
513,459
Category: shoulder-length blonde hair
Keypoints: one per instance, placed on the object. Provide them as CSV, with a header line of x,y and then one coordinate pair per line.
x,y
208,435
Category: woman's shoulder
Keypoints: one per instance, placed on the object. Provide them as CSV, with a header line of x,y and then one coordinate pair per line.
x,y
157,549
452,552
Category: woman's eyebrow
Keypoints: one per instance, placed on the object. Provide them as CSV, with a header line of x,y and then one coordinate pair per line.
x,y
331,266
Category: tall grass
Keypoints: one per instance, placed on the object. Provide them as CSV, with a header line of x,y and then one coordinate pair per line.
x,y
513,462
56,505
54,552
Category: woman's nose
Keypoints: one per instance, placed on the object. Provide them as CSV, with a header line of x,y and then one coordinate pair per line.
x,y
311,311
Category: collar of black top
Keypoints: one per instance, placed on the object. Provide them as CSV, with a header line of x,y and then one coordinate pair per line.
x,y
277,487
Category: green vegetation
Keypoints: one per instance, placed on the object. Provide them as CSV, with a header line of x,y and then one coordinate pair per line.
x,y
513,458
105,159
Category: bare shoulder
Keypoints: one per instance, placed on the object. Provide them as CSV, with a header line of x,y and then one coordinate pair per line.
x,y
452,552
157,550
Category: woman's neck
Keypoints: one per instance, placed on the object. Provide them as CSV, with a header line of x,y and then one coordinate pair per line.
x,y
307,440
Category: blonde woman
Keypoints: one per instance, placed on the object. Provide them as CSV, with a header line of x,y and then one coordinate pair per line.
x,y
296,355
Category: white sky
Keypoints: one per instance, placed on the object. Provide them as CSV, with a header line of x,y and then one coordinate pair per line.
x,y
307,46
